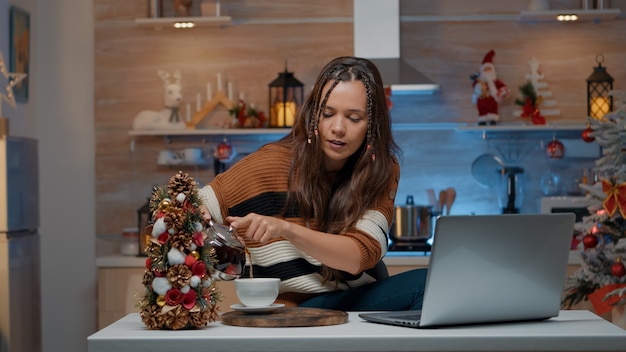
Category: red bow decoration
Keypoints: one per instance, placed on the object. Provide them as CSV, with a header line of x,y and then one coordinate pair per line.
x,y
615,197
597,298
531,111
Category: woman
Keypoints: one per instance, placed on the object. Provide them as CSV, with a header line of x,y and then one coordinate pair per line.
x,y
315,207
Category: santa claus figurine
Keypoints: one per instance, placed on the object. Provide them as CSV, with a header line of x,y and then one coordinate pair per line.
x,y
488,91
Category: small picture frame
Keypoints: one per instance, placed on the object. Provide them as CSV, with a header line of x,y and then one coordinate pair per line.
x,y
19,50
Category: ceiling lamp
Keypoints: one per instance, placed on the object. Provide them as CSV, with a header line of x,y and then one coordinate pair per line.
x,y
566,18
183,25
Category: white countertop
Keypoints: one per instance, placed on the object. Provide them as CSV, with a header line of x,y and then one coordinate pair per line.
x,y
570,331
392,259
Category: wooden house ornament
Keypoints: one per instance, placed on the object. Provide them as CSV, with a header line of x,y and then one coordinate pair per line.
x,y
218,99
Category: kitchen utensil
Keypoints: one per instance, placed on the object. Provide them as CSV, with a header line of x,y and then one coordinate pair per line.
x,y
432,199
412,222
450,197
484,170
442,201
230,252
511,189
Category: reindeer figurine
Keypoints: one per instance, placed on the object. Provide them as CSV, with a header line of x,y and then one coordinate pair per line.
x,y
169,117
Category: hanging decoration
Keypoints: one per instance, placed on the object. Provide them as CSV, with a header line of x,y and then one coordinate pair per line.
x,y
587,134
555,149
12,79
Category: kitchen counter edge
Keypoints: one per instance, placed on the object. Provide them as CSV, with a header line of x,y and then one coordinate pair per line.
x,y
392,259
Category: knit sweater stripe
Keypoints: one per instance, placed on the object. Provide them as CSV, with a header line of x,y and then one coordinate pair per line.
x,y
265,176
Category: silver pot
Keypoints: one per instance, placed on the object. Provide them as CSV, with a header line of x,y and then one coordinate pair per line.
x,y
412,222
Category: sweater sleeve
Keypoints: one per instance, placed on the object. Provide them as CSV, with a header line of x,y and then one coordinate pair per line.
x,y
371,231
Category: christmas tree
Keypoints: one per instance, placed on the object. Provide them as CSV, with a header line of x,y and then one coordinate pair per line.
x,y
180,291
602,276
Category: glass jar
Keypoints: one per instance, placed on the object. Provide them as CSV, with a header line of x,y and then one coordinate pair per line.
x,y
230,252
129,244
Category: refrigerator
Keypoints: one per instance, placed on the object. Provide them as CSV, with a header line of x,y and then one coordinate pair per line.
x,y
20,284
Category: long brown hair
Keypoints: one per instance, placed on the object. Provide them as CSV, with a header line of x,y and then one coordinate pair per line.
x,y
337,206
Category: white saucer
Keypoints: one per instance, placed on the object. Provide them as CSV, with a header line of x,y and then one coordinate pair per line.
x,y
266,309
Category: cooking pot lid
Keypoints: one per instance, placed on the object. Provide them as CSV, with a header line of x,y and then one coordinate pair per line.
x,y
226,234
484,170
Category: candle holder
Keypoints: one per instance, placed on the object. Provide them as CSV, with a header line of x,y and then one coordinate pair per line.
x,y
286,94
599,87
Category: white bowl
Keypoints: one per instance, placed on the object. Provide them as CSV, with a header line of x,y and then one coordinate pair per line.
x,y
257,292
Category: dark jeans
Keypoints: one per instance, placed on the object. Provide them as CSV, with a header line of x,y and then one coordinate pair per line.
x,y
404,291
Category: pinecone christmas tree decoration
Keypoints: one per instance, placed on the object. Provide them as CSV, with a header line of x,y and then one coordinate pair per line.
x,y
180,291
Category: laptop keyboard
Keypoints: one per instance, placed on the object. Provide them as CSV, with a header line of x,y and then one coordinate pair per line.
x,y
406,316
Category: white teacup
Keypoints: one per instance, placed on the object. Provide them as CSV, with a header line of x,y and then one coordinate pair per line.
x,y
257,292
192,155
168,157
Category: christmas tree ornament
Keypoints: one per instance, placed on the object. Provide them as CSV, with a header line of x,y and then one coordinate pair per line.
x,y
587,134
618,269
590,241
555,149
12,80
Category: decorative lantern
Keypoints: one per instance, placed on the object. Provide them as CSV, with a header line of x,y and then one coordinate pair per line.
x,y
143,220
599,87
286,97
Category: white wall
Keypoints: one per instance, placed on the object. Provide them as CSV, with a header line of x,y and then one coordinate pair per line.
x,y
62,103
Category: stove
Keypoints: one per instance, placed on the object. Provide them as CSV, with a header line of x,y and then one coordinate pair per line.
x,y
417,246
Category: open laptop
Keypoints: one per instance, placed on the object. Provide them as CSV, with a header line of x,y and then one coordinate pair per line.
x,y
490,269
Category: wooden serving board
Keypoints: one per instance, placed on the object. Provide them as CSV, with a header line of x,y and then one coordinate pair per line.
x,y
286,317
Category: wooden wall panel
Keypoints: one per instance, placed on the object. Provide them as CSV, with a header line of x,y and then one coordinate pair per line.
x,y
128,56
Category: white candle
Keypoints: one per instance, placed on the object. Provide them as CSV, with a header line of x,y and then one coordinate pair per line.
x,y
217,8
209,95
219,82
241,96
188,112
230,90
198,102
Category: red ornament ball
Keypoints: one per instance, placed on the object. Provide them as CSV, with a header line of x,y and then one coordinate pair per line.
x,y
587,137
590,241
555,149
618,269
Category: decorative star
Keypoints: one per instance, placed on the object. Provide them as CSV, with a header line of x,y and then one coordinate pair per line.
x,y
13,79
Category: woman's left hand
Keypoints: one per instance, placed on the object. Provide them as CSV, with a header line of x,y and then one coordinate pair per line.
x,y
259,227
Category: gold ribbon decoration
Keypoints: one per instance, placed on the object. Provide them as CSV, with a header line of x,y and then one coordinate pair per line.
x,y
615,197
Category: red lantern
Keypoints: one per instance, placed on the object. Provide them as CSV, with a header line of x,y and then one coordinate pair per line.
x,y
555,149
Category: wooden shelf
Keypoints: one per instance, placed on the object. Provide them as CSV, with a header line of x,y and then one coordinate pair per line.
x,y
199,21
563,126
583,15
212,132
